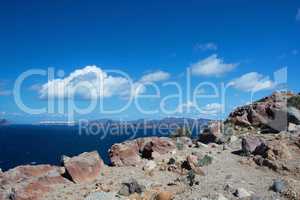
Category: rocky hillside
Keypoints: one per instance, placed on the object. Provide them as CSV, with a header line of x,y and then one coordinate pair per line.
x,y
245,157
271,114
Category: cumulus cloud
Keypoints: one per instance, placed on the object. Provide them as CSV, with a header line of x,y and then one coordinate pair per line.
x,y
212,66
252,82
212,109
206,46
190,107
155,77
298,15
92,82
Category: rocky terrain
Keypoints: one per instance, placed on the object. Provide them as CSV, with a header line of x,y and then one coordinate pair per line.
x,y
253,155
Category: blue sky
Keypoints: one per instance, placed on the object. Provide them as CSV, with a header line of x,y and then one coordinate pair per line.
x,y
220,41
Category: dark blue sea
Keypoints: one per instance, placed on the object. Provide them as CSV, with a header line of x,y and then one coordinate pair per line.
x,y
30,144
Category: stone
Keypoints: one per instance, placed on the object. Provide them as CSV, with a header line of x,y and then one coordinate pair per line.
x,y
211,134
192,162
278,185
131,153
131,187
164,196
150,165
250,144
221,197
125,154
278,149
242,193
32,182
102,196
292,127
83,168
255,197
233,138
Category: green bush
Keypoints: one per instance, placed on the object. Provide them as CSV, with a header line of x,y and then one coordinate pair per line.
x,y
206,160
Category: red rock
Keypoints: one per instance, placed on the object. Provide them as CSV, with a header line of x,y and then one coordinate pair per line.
x,y
212,134
83,168
193,163
270,114
250,144
130,153
125,154
32,182
278,149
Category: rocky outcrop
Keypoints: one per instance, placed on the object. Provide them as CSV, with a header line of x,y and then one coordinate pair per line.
x,y
84,167
212,133
271,114
31,182
251,145
131,153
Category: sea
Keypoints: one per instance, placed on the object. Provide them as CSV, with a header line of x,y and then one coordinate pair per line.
x,y
45,144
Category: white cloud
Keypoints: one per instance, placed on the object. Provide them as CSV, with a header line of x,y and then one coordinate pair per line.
x,y
212,109
298,15
3,91
184,107
155,77
252,82
92,82
206,46
191,108
212,66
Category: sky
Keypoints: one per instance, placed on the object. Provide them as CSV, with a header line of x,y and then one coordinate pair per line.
x,y
251,47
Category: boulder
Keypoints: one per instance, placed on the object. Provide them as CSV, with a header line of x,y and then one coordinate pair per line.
x,y
277,149
32,182
131,187
164,196
250,144
242,193
125,154
130,153
271,114
83,168
192,164
150,165
211,134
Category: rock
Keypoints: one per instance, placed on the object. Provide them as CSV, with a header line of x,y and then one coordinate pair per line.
x,y
172,161
255,197
211,134
125,154
192,162
160,145
164,196
131,187
185,141
233,138
278,149
250,144
85,167
102,196
292,127
32,182
130,153
293,115
270,113
150,165
278,185
242,193
221,197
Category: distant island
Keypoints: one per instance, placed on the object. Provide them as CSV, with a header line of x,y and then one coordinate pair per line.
x,y
3,122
